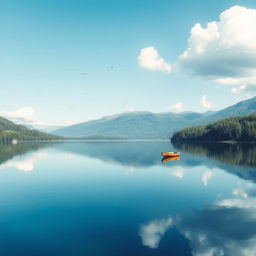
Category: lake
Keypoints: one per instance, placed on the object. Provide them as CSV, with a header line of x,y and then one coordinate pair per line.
x,y
119,199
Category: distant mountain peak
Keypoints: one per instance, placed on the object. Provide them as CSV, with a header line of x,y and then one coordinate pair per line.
x,y
148,125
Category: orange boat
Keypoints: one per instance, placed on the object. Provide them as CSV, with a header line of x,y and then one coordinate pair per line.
x,y
171,154
170,158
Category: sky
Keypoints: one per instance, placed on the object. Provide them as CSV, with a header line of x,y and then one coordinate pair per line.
x,y
64,62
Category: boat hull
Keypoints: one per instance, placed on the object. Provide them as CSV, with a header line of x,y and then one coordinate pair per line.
x,y
171,154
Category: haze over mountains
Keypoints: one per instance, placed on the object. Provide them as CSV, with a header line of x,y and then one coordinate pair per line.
x,y
132,125
148,125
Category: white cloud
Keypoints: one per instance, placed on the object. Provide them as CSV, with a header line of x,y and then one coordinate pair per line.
x,y
177,107
224,51
205,103
152,232
238,90
150,59
206,177
25,115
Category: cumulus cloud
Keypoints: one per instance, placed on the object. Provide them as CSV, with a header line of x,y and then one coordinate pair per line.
x,y
150,59
238,90
205,103
177,107
224,51
25,115
152,232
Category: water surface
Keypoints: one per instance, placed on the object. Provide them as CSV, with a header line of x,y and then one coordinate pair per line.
x,y
119,198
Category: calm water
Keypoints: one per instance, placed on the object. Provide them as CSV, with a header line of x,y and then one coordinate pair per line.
x,y
119,199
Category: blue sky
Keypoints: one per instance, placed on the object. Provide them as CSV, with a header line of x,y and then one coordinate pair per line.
x,y
47,45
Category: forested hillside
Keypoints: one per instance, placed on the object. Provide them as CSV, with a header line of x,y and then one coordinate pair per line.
x,y
10,131
241,128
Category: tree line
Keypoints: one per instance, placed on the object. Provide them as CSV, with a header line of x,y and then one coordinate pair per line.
x,y
240,128
242,154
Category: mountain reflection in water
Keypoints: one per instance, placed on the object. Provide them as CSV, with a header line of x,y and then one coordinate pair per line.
x,y
237,154
230,157
202,204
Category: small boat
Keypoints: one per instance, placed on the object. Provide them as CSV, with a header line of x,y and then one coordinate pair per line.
x,y
172,154
170,158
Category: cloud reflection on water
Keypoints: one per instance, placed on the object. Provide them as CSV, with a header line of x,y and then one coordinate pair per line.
x,y
179,173
206,176
24,164
224,228
152,232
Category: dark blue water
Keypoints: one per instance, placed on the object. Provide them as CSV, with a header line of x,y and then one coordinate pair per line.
x,y
119,198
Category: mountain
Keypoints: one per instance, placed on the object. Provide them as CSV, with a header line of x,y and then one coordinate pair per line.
x,y
147,125
46,129
136,125
241,108
10,131
49,129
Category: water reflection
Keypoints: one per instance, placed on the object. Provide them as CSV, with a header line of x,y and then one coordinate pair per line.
x,y
235,154
206,176
229,157
170,158
152,232
8,151
147,213
135,154
141,154
226,227
24,164
179,173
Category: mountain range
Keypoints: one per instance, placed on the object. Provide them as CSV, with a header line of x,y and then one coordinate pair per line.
x,y
148,125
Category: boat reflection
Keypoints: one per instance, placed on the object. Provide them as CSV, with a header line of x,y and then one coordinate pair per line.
x,y
170,158
129,154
